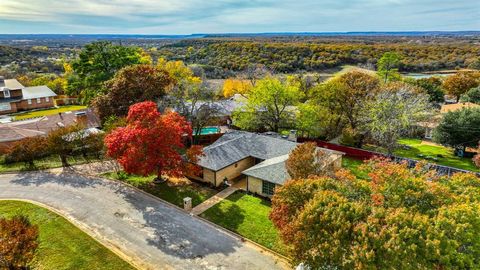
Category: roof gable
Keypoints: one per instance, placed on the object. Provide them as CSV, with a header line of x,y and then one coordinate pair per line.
x,y
272,170
11,84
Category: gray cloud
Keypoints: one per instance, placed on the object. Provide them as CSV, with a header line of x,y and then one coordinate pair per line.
x,y
195,16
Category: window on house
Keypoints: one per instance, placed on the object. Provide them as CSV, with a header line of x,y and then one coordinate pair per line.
x,y
6,93
236,165
39,100
268,187
29,102
47,99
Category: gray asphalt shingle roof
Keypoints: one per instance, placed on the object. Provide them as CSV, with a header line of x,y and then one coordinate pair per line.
x,y
272,170
234,146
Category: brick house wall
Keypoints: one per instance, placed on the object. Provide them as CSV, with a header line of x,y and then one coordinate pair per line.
x,y
254,185
230,172
36,103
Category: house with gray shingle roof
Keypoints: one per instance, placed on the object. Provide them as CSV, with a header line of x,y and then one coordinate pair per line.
x,y
258,158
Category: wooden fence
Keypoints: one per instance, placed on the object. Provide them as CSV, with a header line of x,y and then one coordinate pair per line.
x,y
362,154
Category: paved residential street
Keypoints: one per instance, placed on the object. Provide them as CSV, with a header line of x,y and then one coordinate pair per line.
x,y
143,228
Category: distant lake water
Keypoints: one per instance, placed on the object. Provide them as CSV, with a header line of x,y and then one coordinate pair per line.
x,y
426,75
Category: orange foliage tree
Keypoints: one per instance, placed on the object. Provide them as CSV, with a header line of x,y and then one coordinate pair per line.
x,y
305,161
27,150
18,242
459,83
388,217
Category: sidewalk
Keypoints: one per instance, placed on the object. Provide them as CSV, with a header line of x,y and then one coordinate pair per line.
x,y
197,210
90,169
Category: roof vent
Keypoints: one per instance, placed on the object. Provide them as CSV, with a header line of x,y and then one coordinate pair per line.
x,y
81,118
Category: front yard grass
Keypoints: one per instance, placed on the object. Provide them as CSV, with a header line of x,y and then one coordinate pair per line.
x,y
62,245
247,215
44,163
170,191
39,113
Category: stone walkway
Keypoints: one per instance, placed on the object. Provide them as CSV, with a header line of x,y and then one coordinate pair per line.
x,y
197,210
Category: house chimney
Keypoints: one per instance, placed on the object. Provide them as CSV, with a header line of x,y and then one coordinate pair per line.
x,y
81,118
292,136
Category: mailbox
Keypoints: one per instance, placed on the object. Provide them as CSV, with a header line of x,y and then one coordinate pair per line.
x,y
187,204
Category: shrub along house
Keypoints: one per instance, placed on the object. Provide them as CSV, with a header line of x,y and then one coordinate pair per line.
x,y
260,158
15,97
41,126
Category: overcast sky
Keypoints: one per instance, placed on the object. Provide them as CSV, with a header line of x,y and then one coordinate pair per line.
x,y
229,16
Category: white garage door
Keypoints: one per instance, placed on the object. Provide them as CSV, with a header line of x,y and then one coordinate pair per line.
x,y
5,107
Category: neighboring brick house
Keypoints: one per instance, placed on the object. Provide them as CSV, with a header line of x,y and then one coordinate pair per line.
x,y
15,131
15,97
260,158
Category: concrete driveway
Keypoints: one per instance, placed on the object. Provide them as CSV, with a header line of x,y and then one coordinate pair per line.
x,y
153,234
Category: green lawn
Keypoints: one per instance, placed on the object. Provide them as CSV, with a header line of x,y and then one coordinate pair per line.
x,y
248,216
44,163
173,193
352,164
444,155
31,114
62,245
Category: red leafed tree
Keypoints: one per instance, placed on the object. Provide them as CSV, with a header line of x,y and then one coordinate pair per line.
x,y
150,142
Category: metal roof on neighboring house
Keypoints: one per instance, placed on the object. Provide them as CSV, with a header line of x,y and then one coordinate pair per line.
x,y
37,92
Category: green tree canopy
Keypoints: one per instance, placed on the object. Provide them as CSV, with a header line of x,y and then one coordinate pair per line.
x,y
387,66
459,128
393,110
270,104
98,62
432,87
345,97
396,218
472,95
